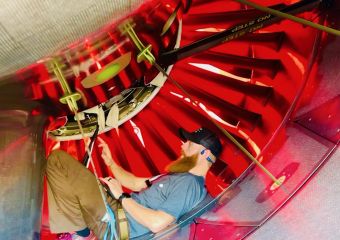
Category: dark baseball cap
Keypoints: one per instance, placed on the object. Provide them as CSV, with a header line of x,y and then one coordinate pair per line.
x,y
204,137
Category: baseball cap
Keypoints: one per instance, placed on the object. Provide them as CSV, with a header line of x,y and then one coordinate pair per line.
x,y
204,137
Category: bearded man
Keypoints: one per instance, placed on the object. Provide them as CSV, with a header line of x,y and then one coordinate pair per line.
x,y
76,204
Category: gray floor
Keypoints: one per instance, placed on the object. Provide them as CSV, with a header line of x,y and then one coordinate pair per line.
x,y
313,214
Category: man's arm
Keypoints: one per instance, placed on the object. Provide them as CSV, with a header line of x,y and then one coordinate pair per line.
x,y
126,178
154,220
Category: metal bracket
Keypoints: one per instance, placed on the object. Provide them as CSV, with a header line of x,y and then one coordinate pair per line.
x,y
126,28
70,98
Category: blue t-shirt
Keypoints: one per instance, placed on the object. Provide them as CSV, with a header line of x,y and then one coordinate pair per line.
x,y
174,194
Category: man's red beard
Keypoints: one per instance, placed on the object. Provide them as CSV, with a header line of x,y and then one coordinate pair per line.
x,y
182,164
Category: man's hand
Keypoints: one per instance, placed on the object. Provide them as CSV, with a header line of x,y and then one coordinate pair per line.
x,y
114,185
126,178
106,153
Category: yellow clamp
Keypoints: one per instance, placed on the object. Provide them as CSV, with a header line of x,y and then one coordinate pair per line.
x,y
126,28
69,98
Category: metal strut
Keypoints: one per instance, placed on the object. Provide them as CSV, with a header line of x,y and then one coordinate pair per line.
x,y
290,17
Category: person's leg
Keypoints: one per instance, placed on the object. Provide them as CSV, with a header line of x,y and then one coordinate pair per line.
x,y
74,198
